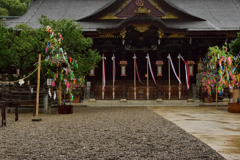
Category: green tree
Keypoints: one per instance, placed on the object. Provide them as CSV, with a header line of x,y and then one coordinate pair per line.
x,y
14,7
3,12
20,47
235,45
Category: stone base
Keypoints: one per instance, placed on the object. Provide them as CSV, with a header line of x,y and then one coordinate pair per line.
x,y
92,100
226,100
234,107
159,100
123,100
190,100
65,109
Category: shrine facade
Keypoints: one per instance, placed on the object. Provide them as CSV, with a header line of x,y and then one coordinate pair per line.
x,y
136,37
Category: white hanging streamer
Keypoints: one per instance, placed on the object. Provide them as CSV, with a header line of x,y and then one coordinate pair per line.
x,y
54,95
114,65
169,56
104,74
49,92
150,67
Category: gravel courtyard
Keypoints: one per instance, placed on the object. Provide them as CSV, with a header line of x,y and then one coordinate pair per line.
x,y
100,133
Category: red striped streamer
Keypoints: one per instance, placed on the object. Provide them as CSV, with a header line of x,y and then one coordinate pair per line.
x,y
135,59
186,71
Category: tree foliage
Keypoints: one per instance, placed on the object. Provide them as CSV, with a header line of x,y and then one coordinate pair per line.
x,y
20,48
3,12
235,45
21,45
13,7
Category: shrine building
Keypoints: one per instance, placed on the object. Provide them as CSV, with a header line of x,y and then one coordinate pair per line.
x,y
136,37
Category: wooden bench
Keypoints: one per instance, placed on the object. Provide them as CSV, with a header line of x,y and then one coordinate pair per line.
x,y
3,113
24,97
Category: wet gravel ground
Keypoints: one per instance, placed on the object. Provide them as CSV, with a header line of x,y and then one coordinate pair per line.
x,y
100,133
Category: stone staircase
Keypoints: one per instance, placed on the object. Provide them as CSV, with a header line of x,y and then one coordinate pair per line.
x,y
145,103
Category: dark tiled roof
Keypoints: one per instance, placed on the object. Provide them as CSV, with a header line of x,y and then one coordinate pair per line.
x,y
57,9
219,14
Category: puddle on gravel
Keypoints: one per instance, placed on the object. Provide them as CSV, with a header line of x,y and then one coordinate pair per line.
x,y
230,129
185,115
193,119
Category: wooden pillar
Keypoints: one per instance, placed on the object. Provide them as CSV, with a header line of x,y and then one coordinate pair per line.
x,y
113,92
191,78
135,89
38,84
169,80
123,62
92,89
147,78
159,87
179,88
103,76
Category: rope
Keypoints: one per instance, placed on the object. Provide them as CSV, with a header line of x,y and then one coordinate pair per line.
x,y
21,78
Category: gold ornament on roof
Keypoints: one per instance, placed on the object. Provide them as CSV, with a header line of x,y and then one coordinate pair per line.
x,y
142,28
160,34
123,33
142,9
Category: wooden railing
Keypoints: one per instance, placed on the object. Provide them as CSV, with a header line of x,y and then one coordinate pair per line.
x,y
141,90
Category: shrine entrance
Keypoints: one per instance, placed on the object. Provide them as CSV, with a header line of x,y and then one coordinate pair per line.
x,y
127,82
149,85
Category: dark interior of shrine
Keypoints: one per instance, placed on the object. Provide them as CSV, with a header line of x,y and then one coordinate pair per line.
x,y
141,45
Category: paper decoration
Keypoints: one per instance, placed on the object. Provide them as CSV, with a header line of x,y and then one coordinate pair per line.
x,y
49,92
21,82
54,95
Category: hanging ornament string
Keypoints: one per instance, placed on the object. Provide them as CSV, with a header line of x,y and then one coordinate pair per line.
x,y
21,78
186,71
114,67
169,56
150,67
138,75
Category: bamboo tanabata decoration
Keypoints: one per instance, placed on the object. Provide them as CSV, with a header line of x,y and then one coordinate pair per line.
x,y
64,65
222,64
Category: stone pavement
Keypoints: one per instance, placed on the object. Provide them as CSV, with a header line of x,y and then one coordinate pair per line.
x,y
213,126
